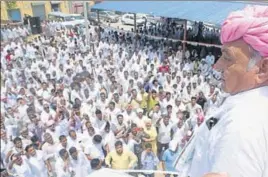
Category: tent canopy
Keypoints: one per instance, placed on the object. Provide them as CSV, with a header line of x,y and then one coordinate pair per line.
x,y
212,12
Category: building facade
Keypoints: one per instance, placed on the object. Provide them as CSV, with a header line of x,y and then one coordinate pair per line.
x,y
16,10
78,6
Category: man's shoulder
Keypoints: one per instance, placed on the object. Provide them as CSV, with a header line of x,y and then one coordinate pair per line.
x,y
246,119
40,153
251,110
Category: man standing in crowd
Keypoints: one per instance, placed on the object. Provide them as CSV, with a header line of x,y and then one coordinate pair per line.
x,y
121,158
169,157
149,160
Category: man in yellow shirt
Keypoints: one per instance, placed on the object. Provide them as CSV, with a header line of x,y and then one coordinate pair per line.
x,y
135,99
144,102
120,158
152,100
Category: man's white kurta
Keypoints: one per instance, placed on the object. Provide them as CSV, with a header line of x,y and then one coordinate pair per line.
x,y
238,143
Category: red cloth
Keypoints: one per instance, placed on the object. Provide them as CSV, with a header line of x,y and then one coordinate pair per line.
x,y
164,68
8,58
71,34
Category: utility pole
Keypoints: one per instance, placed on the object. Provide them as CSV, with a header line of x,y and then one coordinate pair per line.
x,y
70,7
86,11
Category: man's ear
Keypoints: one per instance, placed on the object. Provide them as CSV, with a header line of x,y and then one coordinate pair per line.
x,y
263,72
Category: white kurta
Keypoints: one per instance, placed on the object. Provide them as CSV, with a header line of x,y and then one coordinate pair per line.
x,y
37,164
81,166
23,170
60,169
238,143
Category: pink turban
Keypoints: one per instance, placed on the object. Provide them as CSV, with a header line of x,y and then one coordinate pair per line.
x,y
250,24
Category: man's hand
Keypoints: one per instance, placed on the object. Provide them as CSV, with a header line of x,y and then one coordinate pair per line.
x,y
216,175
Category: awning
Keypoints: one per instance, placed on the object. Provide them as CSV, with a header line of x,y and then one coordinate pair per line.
x,y
55,2
212,12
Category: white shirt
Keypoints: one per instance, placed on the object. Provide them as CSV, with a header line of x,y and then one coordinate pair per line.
x,y
23,170
112,114
155,116
164,136
55,134
181,107
237,144
60,171
94,150
109,140
60,147
192,109
81,166
140,122
5,147
23,112
212,107
37,164
50,150
45,117
129,145
99,125
75,143
179,133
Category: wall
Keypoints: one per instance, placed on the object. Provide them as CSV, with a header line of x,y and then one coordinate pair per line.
x,y
64,6
4,15
26,8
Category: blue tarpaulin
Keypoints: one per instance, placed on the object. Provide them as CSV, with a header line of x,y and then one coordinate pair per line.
x,y
213,12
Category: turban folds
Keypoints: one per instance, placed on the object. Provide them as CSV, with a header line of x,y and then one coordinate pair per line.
x,y
250,24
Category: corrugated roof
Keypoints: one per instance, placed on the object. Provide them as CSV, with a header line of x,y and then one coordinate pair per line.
x,y
213,12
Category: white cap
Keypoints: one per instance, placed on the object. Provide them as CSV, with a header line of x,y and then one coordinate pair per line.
x,y
139,110
148,121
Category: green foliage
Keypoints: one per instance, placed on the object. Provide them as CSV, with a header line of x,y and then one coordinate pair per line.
x,y
11,4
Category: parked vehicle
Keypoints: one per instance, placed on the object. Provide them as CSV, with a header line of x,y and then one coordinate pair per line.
x,y
108,16
128,19
68,20
149,18
92,17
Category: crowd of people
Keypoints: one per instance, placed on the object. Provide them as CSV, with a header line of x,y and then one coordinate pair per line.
x,y
9,33
174,29
121,101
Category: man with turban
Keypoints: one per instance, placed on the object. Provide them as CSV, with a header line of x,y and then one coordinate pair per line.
x,y
237,141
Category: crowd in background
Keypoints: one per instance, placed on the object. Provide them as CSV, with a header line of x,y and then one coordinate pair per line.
x,y
122,101
9,33
174,29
